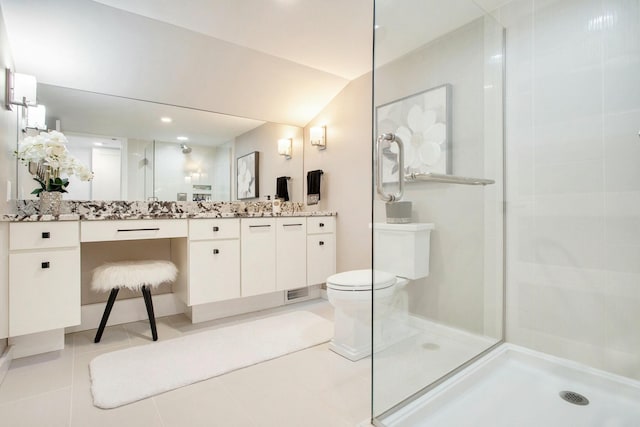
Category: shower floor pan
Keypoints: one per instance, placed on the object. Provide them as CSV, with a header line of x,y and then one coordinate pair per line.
x,y
515,386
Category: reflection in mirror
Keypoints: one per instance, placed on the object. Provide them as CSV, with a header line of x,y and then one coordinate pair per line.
x,y
141,150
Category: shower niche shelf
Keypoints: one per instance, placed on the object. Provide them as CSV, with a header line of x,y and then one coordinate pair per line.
x,y
451,179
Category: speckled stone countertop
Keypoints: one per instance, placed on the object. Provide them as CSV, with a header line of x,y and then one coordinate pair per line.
x,y
72,210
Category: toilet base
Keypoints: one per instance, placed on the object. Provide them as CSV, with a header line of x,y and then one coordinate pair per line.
x,y
350,353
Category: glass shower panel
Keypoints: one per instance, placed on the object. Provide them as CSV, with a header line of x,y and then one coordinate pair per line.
x,y
438,99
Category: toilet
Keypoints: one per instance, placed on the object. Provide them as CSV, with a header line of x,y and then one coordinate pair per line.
x,y
401,254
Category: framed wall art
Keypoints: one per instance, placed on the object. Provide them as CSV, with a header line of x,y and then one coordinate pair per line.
x,y
423,122
247,176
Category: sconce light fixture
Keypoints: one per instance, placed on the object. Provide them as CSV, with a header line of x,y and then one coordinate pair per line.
x,y
284,147
20,89
318,137
36,117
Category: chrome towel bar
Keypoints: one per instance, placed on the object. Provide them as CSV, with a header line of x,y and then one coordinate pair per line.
x,y
451,179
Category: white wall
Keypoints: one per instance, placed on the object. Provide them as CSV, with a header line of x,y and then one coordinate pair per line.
x,y
573,101
8,138
346,162
264,139
456,291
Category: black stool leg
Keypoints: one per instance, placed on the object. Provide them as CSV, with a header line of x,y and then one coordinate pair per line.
x,y
146,293
107,312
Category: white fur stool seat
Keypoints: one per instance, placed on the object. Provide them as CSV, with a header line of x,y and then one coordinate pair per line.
x,y
134,275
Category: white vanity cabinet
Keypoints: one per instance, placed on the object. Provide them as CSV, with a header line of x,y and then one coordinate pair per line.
x,y
258,255
214,260
321,249
291,253
44,276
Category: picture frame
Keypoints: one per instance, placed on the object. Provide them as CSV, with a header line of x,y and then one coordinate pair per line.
x,y
247,178
423,122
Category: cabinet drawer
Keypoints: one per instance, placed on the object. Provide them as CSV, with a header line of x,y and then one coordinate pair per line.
x,y
321,224
44,290
214,271
43,235
133,229
209,229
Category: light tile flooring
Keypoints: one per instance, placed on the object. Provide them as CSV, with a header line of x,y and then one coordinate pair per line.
x,y
312,387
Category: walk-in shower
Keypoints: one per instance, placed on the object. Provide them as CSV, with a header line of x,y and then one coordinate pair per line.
x,y
519,123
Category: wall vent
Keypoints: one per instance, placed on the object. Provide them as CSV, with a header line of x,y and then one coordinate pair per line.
x,y
295,295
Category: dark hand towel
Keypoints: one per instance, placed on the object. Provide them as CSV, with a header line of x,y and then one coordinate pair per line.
x,y
313,186
282,190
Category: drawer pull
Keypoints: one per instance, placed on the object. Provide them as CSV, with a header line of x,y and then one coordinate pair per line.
x,y
45,264
46,235
321,243
321,224
216,228
260,226
216,251
121,230
292,225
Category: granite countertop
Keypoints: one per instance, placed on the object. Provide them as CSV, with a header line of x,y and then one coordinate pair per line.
x,y
124,210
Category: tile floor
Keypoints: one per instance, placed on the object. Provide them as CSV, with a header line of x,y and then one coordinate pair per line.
x,y
312,387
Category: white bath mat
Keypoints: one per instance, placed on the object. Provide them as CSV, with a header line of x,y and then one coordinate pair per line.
x,y
136,373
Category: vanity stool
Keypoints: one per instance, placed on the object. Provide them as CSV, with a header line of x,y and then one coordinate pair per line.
x,y
134,275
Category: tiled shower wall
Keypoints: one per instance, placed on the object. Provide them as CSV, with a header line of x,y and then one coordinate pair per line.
x,y
573,179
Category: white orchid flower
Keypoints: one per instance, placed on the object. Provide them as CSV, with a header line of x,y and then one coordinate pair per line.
x,y
49,149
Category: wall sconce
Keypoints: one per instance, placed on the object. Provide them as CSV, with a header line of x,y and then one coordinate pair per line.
x,y
284,147
20,89
318,136
36,117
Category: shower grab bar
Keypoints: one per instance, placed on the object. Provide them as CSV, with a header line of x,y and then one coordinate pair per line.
x,y
388,197
451,179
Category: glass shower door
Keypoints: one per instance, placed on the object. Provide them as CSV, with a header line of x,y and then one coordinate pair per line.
x,y
438,100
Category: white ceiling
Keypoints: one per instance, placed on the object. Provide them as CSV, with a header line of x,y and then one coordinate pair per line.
x,y
329,35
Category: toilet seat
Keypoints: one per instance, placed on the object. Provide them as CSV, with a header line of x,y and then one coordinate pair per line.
x,y
360,280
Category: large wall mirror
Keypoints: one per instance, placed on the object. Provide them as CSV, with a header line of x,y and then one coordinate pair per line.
x,y
141,150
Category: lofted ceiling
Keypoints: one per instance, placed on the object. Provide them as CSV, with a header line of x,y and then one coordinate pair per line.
x,y
270,60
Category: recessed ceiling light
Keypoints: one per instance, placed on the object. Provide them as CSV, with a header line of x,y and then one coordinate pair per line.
x,y
99,144
166,119
182,138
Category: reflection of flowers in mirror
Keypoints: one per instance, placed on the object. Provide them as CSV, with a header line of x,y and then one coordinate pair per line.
x,y
48,159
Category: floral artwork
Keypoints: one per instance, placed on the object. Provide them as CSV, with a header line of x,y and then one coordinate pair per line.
x,y
422,122
247,176
49,161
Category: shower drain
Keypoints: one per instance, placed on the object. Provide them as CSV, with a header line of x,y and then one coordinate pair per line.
x,y
575,398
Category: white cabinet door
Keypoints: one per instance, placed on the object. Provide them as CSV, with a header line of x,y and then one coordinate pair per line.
x,y
44,290
321,258
258,256
214,271
291,253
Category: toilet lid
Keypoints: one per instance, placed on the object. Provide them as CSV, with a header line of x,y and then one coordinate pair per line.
x,y
360,280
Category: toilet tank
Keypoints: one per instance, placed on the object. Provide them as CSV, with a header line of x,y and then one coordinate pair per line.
x,y
402,249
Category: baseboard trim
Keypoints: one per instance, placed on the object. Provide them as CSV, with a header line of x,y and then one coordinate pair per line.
x,y
128,310
5,361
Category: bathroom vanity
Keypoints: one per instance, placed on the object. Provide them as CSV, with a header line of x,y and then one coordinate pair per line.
x,y
233,257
